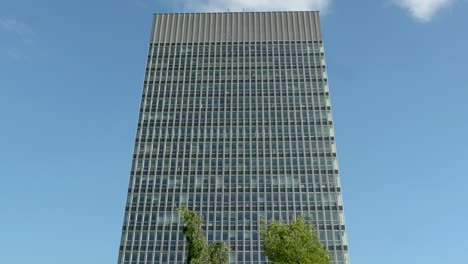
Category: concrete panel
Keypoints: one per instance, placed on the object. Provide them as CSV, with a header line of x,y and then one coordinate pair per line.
x,y
236,27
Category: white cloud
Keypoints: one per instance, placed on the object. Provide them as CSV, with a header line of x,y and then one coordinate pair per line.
x,y
17,27
16,55
423,10
17,36
254,5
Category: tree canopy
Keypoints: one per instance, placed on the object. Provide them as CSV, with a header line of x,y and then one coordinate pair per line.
x,y
199,252
293,242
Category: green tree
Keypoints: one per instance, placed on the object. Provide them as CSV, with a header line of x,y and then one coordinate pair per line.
x,y
199,252
293,242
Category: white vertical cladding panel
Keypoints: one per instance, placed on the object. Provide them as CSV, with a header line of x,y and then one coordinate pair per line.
x,y
209,27
295,19
251,27
163,28
195,27
240,27
307,29
274,23
248,27
205,28
234,27
156,29
178,25
212,27
284,26
156,26
152,32
295,25
316,27
199,33
187,28
183,32
167,29
169,32
160,29
268,30
223,26
170,35
227,36
267,21
237,27
198,22
245,28
190,31
274,27
300,26
307,32
261,26
187,31
257,35
201,23
254,25
310,24
218,25
278,25
229,27
303,25
290,26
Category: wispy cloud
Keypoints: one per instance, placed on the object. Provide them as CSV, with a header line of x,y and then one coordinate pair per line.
x,y
17,55
16,35
423,10
21,29
255,5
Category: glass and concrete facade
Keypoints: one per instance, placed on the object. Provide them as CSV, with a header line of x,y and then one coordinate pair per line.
x,y
235,123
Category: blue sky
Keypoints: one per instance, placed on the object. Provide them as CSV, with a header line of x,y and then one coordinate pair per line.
x,y
71,75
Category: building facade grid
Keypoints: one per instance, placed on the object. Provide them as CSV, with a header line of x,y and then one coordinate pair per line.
x,y
237,131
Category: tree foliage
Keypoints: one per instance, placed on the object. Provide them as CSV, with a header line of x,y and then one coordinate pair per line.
x,y
293,242
199,252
